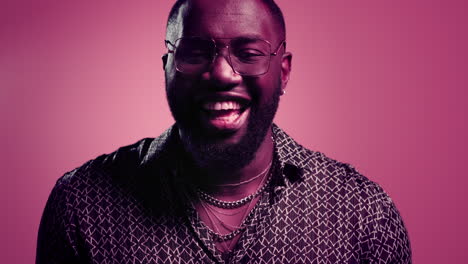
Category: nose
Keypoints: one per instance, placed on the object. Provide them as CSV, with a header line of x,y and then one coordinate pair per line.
x,y
221,72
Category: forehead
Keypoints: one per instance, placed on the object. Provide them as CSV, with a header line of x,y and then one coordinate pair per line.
x,y
226,19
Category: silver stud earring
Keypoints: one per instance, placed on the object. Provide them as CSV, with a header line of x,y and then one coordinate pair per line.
x,y
283,91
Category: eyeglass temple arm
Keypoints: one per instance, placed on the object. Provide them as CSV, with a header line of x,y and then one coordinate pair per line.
x,y
168,43
283,43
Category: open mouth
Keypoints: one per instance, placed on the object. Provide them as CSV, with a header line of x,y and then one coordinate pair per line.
x,y
225,114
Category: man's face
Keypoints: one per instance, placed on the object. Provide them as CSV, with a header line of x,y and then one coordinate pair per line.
x,y
223,117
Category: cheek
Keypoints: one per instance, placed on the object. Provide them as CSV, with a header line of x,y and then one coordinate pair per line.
x,y
269,85
275,69
182,90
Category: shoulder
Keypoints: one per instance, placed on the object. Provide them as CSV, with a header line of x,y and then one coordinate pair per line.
x,y
118,167
324,172
343,177
331,186
126,157
344,182
334,183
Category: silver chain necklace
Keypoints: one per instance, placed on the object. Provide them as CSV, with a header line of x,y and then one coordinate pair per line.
x,y
233,204
236,230
248,180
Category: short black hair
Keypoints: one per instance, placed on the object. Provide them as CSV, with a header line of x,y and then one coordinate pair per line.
x,y
274,9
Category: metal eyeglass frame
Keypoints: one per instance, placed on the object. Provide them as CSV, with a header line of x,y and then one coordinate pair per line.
x,y
282,43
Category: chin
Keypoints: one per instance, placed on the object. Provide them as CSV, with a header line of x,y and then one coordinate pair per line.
x,y
227,152
220,152
224,150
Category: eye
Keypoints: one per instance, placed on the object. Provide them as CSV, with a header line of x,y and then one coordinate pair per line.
x,y
197,54
194,56
249,55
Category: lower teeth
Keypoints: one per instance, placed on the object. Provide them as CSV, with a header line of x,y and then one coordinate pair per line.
x,y
229,118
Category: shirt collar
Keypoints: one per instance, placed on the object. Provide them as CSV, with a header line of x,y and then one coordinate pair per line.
x,y
291,156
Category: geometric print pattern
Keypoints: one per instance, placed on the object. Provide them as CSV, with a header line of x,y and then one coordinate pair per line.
x,y
132,206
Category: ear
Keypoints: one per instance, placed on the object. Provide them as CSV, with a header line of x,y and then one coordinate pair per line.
x,y
285,69
164,60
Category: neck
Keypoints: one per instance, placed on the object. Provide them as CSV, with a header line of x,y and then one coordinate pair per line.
x,y
244,181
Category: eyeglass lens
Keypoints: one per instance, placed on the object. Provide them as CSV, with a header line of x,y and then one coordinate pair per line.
x,y
246,56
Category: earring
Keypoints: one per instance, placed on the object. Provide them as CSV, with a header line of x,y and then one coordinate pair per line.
x,y
283,91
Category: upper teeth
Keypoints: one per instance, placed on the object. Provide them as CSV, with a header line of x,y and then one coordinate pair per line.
x,y
228,105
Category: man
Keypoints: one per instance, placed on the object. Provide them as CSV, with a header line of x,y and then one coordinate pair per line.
x,y
224,184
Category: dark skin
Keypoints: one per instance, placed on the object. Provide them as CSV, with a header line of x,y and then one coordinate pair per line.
x,y
219,20
228,19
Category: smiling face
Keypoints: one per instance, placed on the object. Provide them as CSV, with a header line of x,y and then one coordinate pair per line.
x,y
223,117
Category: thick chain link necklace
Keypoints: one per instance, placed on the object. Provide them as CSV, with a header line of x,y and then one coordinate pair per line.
x,y
209,204
226,240
234,204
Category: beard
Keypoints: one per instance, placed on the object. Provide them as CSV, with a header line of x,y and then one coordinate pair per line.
x,y
204,148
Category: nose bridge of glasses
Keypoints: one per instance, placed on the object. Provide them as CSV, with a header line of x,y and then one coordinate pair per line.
x,y
221,48
221,51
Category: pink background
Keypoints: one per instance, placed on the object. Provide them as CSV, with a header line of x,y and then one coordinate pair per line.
x,y
379,84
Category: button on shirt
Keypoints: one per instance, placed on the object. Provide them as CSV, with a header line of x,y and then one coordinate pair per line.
x,y
133,206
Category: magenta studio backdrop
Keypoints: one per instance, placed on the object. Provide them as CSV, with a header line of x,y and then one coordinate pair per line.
x,y
378,84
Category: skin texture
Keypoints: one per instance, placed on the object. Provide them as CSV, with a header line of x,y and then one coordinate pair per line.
x,y
225,156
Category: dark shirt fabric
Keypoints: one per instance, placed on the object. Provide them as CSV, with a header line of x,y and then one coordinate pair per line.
x,y
133,206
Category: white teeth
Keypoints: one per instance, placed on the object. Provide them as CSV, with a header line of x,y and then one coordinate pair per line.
x,y
229,118
225,105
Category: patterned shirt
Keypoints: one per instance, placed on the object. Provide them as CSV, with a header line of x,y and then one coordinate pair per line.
x,y
132,206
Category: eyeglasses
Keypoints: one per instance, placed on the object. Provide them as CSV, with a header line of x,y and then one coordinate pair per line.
x,y
246,56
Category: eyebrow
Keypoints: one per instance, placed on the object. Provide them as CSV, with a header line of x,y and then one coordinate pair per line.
x,y
250,36
247,36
